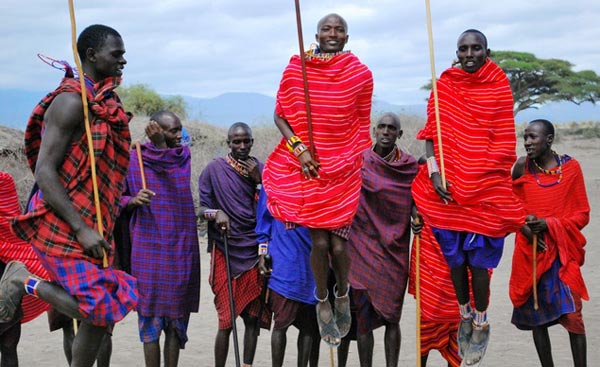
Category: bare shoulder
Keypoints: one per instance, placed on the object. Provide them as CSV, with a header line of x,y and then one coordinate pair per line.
x,y
65,112
518,168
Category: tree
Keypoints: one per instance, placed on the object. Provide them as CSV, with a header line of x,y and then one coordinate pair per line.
x,y
537,81
141,99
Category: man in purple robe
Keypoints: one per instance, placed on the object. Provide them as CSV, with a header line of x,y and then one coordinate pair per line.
x,y
379,239
165,255
229,189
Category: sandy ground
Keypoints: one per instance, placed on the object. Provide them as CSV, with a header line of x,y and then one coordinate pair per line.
x,y
508,346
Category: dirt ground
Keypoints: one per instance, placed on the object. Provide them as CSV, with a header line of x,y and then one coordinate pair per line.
x,y
508,345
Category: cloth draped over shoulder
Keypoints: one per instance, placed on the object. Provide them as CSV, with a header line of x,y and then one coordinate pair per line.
x,y
222,187
165,256
340,90
380,233
290,252
42,227
14,248
478,141
566,209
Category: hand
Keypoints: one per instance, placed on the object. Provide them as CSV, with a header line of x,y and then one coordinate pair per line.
x,y
156,135
251,165
143,197
444,194
262,266
528,233
309,165
537,225
93,244
416,224
222,221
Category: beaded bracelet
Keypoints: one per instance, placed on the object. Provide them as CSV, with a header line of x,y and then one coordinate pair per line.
x,y
432,166
301,148
31,283
210,214
263,248
292,142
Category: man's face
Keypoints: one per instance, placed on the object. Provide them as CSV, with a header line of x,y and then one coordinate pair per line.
x,y
108,59
536,140
240,142
471,52
172,130
387,132
331,35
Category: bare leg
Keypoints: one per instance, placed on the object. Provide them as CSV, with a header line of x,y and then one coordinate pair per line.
x,y
86,344
541,339
460,280
578,349
481,288
68,336
222,347
172,347
342,352
250,338
392,340
278,344
340,262
314,349
306,341
365,344
152,353
8,346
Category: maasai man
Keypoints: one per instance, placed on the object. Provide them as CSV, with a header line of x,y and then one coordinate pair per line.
x,y
380,239
321,192
13,248
165,256
553,191
471,215
228,192
60,224
290,285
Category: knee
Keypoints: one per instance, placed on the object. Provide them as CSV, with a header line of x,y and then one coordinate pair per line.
x,y
338,249
320,245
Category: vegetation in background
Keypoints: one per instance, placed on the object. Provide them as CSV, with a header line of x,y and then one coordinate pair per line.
x,y
143,100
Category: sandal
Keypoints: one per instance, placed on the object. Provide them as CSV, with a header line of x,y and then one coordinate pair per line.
x,y
11,293
477,346
343,318
329,331
465,330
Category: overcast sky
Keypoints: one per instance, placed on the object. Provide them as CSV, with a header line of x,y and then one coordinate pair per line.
x,y
205,48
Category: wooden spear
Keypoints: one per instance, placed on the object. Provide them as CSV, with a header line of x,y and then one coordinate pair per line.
x,y
535,295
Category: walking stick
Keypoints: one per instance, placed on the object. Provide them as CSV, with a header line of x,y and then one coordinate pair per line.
x,y
138,150
418,292
535,295
88,131
236,348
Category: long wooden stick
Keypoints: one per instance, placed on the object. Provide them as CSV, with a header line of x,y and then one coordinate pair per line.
x,y
88,131
535,295
138,150
435,93
418,292
305,80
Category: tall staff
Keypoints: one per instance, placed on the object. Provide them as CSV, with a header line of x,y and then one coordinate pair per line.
x,y
88,131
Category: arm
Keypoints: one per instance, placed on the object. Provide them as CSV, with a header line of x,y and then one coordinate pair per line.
x,y
436,178
207,209
305,159
63,121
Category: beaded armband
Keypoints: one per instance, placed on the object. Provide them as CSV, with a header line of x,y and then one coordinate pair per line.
x,y
292,142
263,248
432,166
210,214
31,284
298,150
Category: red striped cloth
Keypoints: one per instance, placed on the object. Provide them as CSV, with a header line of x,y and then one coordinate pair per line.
x,y
13,248
340,95
443,338
478,141
566,209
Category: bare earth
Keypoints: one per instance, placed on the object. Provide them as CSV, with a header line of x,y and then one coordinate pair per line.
x,y
508,346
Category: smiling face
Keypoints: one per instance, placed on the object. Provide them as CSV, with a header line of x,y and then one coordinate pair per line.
x,y
537,141
331,34
107,60
472,51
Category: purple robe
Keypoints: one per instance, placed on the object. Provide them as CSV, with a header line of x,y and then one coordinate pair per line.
x,y
380,233
222,187
165,255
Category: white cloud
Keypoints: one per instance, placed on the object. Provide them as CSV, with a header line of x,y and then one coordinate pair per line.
x,y
205,48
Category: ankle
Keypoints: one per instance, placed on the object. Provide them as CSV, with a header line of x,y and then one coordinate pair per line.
x,y
321,300
344,295
480,320
466,312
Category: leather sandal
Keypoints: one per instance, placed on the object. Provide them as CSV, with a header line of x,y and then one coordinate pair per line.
x,y
328,330
343,318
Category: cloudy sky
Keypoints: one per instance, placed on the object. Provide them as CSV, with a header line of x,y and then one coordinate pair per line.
x,y
205,48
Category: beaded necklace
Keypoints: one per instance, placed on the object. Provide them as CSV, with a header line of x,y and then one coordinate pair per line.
x,y
558,171
237,166
315,53
392,156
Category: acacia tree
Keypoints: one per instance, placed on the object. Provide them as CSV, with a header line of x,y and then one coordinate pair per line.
x,y
141,99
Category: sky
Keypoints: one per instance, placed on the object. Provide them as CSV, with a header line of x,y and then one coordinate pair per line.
x,y
205,48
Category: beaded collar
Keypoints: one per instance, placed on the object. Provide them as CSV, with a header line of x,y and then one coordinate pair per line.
x,y
315,53
392,156
534,167
237,166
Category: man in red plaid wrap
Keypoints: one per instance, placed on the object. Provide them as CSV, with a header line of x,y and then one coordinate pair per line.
x,y
61,221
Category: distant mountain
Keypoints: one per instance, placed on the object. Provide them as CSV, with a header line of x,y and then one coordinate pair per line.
x,y
255,108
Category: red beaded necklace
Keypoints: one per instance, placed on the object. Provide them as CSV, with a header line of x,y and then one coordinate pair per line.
x,y
237,166
558,171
